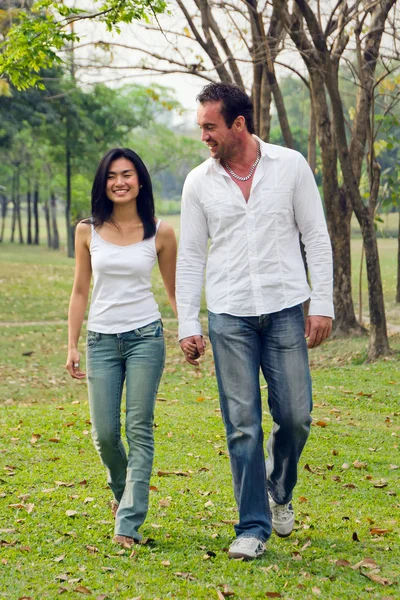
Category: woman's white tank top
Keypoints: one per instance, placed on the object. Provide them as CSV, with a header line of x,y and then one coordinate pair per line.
x,y
122,299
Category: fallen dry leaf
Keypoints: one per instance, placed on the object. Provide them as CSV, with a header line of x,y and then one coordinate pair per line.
x,y
378,531
71,513
341,562
101,597
321,423
92,549
229,521
369,563
273,595
82,589
29,507
54,440
359,465
59,558
168,473
226,592
164,503
302,499
377,578
187,576
381,483
166,563
316,590
35,437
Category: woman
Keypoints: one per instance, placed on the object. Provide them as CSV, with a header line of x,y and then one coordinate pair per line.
x,y
125,342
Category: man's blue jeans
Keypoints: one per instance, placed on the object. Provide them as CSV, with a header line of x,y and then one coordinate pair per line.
x,y
138,357
276,344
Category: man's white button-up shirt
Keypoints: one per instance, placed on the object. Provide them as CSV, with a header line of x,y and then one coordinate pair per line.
x,y
254,264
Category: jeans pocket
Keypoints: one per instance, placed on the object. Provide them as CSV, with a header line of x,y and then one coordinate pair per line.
x,y
92,338
153,330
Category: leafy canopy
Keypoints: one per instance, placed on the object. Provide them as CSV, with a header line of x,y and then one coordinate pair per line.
x,y
33,42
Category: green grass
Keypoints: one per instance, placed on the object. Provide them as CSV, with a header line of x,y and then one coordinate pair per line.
x,y
338,500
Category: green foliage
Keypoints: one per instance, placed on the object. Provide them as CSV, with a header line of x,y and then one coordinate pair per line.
x,y
34,41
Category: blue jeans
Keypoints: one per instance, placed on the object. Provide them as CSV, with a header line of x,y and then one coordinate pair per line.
x,y
138,357
276,344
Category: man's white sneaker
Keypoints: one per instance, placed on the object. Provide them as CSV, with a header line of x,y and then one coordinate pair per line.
x,y
246,548
282,517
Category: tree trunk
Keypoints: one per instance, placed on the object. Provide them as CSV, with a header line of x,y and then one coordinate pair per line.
x,y
55,237
14,209
379,345
312,139
4,203
338,212
18,215
398,264
36,212
339,224
48,223
265,109
280,109
29,210
256,96
70,239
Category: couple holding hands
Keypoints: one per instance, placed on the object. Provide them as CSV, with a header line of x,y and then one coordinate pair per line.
x,y
252,200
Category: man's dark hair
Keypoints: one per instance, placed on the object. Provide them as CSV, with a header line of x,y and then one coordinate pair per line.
x,y
235,102
102,206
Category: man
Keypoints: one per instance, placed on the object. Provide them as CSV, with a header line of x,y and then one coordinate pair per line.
x,y
251,199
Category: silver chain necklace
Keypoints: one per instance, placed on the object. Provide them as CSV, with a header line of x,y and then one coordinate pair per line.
x,y
252,169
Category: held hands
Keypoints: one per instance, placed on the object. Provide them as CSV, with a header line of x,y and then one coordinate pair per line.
x,y
317,330
193,347
73,365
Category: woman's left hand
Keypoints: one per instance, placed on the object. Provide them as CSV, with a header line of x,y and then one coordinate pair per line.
x,y
73,365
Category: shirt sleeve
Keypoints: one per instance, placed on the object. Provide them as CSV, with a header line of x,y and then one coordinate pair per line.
x,y
310,219
192,257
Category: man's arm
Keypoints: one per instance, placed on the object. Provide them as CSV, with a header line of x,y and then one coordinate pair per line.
x,y
309,216
192,257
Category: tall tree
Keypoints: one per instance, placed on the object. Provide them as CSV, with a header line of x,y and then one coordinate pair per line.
x,y
322,45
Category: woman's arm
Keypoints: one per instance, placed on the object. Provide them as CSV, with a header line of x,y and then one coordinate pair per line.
x,y
79,298
166,250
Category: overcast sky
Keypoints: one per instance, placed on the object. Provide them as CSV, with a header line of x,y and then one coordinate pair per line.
x,y
186,86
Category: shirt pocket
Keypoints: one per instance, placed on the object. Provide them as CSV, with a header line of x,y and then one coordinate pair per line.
x,y
276,200
221,213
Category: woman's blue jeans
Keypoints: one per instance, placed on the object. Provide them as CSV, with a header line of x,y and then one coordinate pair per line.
x,y
136,357
276,344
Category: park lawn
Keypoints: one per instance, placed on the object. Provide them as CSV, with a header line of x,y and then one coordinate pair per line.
x,y
346,503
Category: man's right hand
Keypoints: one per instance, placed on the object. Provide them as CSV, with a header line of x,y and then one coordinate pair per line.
x,y
193,347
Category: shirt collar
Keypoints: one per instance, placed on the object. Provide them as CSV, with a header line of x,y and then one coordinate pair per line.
x,y
267,150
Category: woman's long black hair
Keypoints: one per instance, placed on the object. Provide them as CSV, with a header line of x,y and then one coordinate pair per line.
x,y
102,206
